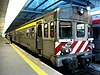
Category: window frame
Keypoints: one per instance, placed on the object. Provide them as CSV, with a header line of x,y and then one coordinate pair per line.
x,y
77,34
52,34
39,32
46,32
60,31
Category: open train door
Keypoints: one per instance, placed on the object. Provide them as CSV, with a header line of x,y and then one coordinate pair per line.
x,y
39,42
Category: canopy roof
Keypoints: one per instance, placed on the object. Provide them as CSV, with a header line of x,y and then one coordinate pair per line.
x,y
35,8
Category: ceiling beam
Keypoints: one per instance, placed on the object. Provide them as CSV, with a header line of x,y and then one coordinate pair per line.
x,y
51,5
31,11
40,4
79,2
28,4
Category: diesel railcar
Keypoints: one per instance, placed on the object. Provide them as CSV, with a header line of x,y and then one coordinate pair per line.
x,y
96,36
60,35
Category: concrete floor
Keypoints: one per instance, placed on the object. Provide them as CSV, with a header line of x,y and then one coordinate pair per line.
x,y
11,63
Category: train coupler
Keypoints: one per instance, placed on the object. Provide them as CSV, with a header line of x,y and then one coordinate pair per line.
x,y
70,64
85,60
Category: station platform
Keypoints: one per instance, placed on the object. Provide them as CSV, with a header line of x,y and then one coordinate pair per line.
x,y
15,61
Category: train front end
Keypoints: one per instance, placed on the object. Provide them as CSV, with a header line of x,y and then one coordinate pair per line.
x,y
72,47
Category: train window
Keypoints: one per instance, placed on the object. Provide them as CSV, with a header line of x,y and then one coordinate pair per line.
x,y
45,30
80,30
33,32
65,30
40,30
27,32
30,32
52,29
22,33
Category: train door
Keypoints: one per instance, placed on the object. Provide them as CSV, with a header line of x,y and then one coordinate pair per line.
x,y
39,41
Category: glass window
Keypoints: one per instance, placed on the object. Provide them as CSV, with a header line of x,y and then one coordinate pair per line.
x,y
39,30
52,29
80,30
45,30
27,33
65,30
33,32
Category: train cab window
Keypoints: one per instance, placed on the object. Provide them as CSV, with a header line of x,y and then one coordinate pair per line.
x,y
80,30
52,29
65,30
46,30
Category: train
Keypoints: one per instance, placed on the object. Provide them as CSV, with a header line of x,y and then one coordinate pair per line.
x,y
60,35
96,36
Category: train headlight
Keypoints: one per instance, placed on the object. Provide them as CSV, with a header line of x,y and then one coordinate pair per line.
x,y
64,50
80,11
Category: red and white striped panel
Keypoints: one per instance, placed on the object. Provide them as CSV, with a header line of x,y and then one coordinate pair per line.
x,y
76,47
58,47
79,46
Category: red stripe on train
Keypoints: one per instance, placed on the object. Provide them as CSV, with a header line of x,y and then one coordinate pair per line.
x,y
81,45
59,47
73,45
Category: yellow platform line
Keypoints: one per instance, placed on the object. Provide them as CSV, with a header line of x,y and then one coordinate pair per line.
x,y
29,62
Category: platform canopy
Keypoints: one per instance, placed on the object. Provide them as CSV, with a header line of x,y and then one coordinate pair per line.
x,y
35,8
